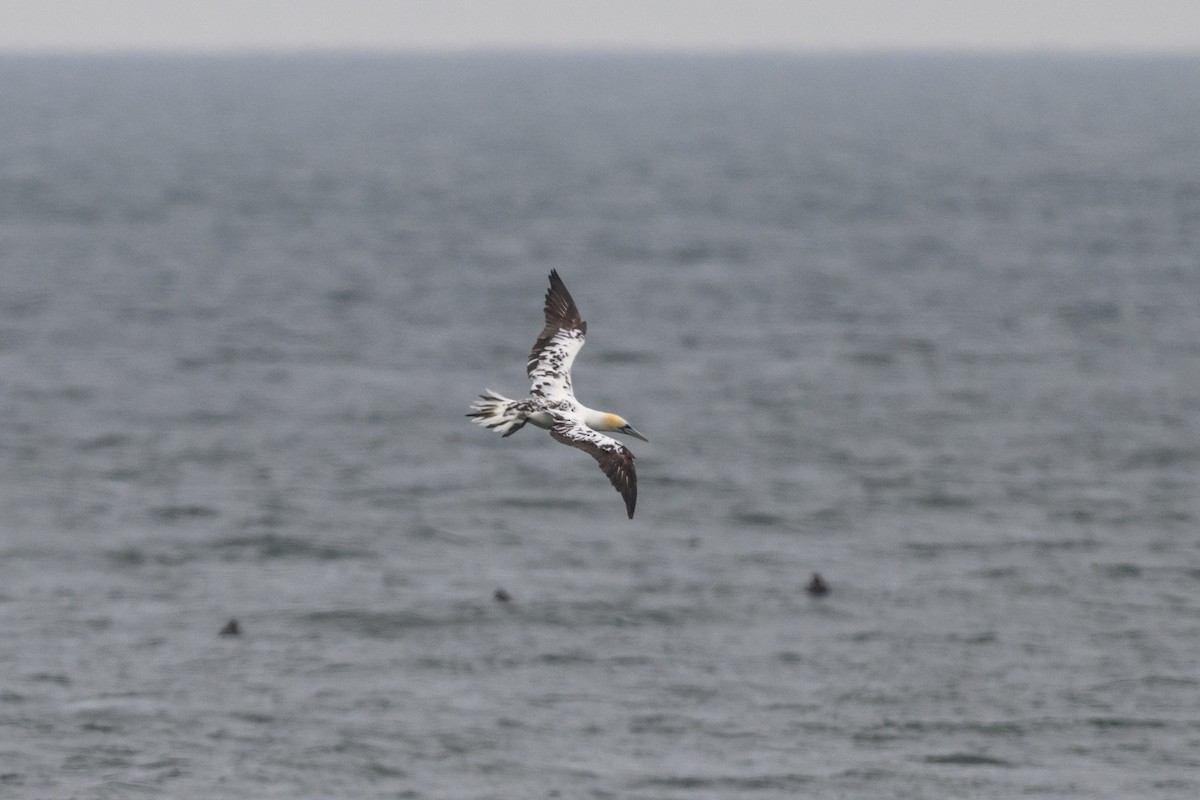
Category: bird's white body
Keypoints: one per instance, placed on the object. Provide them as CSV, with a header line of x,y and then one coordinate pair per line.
x,y
507,415
596,420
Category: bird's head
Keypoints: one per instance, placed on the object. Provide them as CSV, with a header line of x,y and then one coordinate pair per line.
x,y
617,424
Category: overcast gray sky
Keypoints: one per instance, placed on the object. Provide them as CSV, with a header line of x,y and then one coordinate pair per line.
x,y
673,24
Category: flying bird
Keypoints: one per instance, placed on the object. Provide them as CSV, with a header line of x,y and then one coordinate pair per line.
x,y
551,403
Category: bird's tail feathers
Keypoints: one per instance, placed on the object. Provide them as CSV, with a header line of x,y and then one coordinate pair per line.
x,y
495,411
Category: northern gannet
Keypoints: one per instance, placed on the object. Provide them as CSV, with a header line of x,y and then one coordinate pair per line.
x,y
551,403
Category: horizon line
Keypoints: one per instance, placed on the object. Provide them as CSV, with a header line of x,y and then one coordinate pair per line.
x,y
1123,51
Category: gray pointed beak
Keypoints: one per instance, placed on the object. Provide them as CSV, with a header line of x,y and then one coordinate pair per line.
x,y
629,430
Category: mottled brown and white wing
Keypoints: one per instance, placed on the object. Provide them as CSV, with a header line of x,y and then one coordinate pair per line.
x,y
549,365
614,458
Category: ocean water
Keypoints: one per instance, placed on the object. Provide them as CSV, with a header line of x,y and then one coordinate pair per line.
x,y
929,326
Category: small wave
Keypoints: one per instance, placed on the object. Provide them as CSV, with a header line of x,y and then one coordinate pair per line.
x,y
1161,457
1126,722
536,503
664,723
569,657
446,666
898,730
1120,570
967,760
944,500
56,678
392,624
182,513
785,781
272,545
103,442
380,496
872,358
614,614
756,518
625,357
133,557
1086,312
375,624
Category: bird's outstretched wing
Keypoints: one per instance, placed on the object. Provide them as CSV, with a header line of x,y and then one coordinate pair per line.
x,y
614,458
549,365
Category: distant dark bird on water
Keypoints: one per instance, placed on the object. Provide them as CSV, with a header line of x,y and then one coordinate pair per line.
x,y
231,628
501,596
551,403
817,587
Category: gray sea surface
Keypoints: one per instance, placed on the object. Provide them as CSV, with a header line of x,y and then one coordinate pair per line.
x,y
926,325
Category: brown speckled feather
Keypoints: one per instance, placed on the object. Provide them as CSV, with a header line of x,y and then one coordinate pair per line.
x,y
614,458
550,360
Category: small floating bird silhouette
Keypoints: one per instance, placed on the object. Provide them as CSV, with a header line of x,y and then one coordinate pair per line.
x,y
817,587
232,628
551,403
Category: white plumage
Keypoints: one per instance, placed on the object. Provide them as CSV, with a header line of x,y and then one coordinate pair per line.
x,y
551,403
